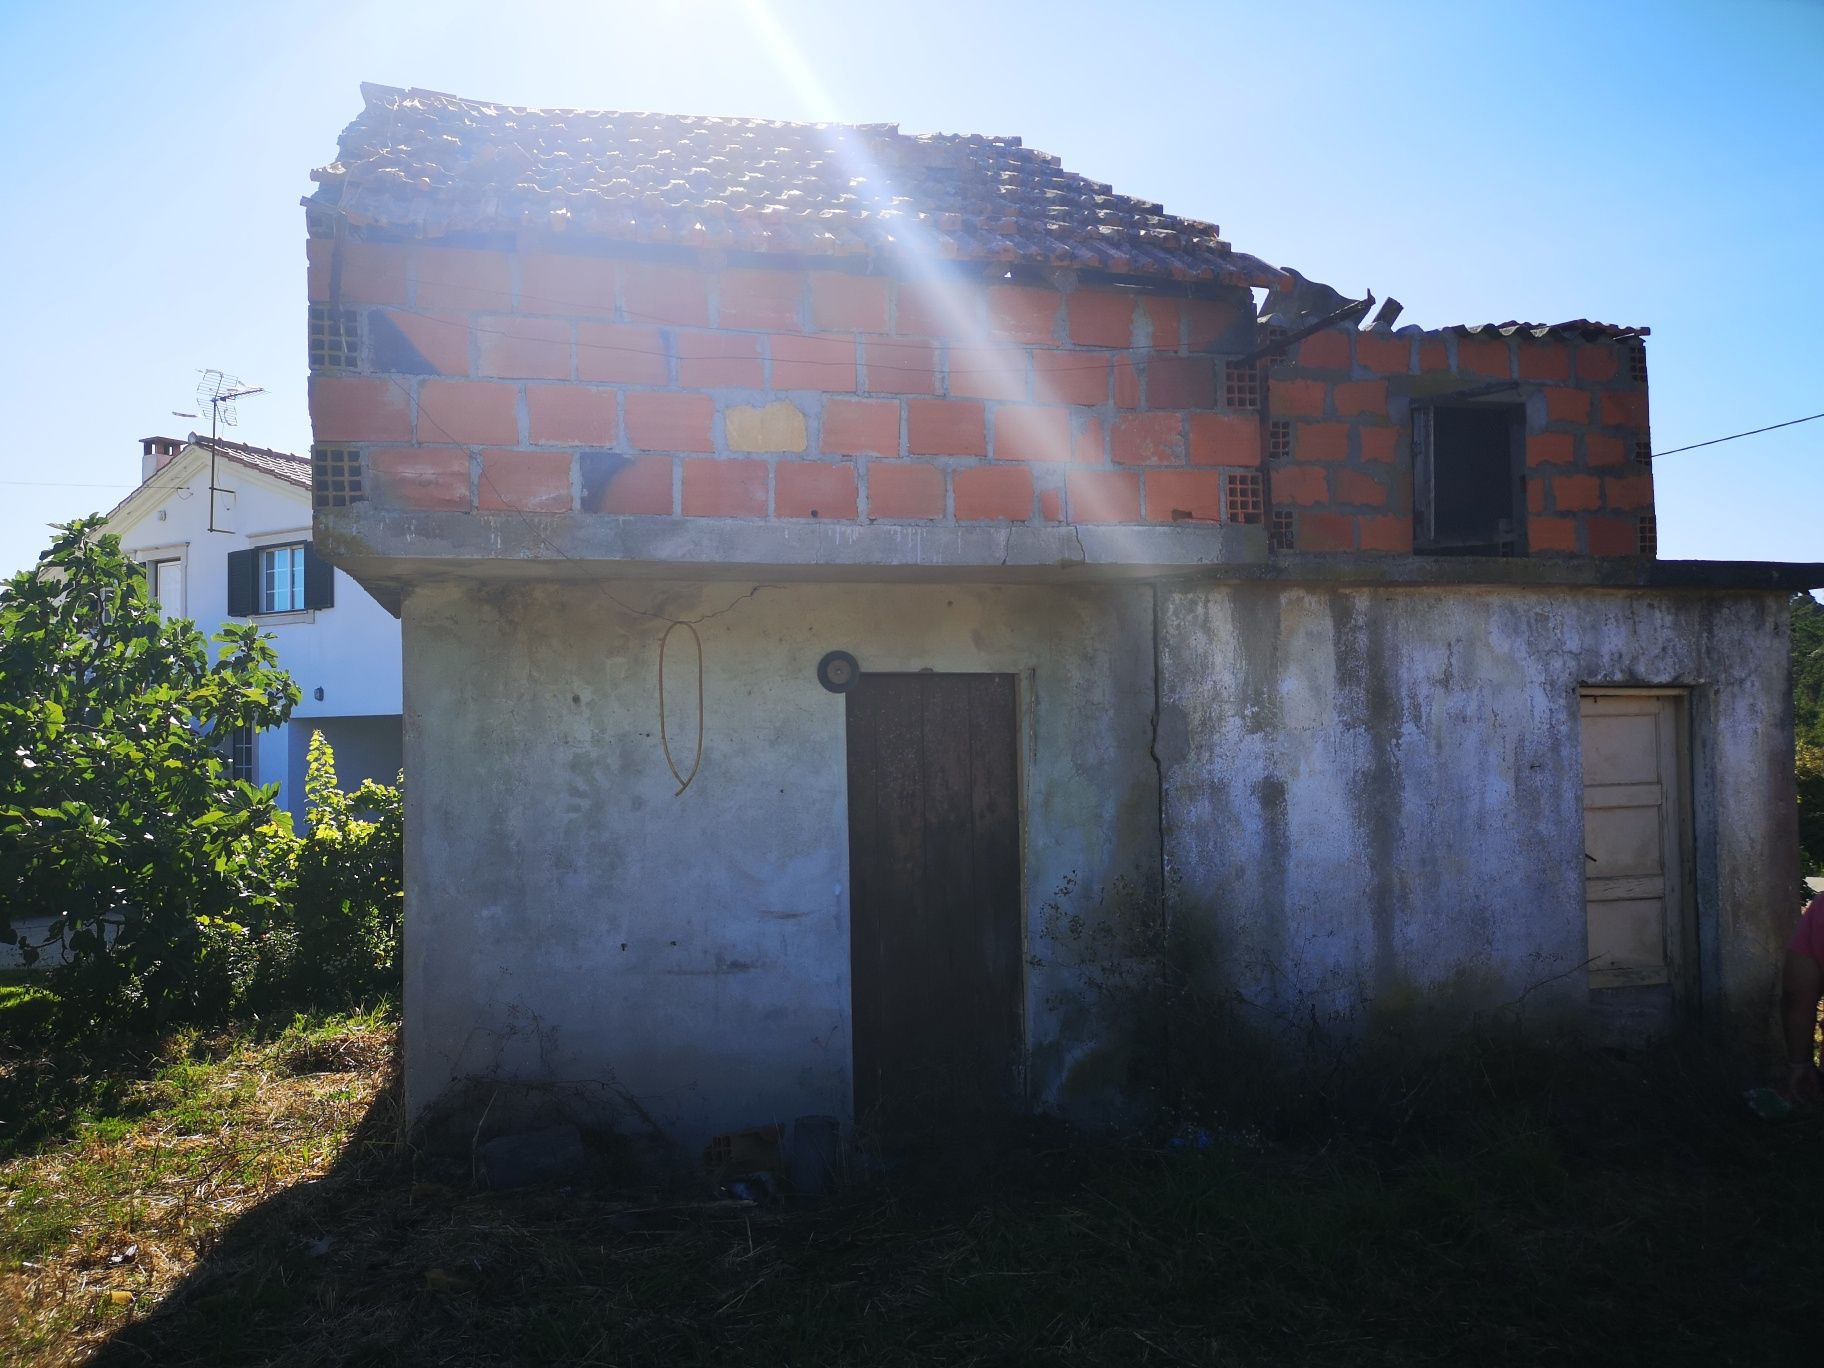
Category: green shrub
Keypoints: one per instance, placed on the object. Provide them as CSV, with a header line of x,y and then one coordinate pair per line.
x,y
172,891
119,822
1811,808
1808,726
1808,669
334,939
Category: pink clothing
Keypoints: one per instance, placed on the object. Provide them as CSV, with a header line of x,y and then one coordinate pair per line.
x,y
1809,938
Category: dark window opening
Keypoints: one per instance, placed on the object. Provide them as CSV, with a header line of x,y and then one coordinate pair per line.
x,y
1643,451
1280,536
1649,535
240,754
1279,439
1469,480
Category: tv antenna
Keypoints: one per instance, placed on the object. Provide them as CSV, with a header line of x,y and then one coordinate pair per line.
x,y
219,391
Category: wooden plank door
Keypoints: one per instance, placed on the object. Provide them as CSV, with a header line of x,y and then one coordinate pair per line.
x,y
1636,808
934,889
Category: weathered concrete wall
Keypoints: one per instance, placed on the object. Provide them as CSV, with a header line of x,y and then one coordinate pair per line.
x,y
1373,796
571,920
1372,805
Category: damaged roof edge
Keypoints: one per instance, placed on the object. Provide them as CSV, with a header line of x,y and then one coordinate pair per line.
x,y
1310,304
432,165
1589,330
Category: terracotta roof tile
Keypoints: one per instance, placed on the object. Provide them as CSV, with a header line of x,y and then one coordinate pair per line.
x,y
430,165
1587,329
279,464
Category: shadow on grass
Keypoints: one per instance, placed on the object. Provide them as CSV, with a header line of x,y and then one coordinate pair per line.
x,y
50,1085
1540,1210
55,1079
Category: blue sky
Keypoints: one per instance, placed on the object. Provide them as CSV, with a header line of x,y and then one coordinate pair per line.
x,y
1640,163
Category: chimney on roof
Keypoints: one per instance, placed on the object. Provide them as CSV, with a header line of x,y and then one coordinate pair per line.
x,y
155,453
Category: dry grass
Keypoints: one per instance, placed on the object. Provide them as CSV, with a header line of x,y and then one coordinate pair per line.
x,y
103,1224
1613,1211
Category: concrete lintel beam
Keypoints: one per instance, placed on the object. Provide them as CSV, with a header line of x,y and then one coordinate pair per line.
x,y
386,550
382,548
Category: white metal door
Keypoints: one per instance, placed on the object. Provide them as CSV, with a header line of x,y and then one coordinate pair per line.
x,y
1635,806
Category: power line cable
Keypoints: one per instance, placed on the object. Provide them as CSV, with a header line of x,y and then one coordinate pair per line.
x,y
1737,436
686,778
155,484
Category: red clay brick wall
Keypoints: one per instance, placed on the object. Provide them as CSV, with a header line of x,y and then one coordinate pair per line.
x,y
1339,437
543,383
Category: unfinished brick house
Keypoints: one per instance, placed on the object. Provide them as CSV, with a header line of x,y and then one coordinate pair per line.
x,y
825,555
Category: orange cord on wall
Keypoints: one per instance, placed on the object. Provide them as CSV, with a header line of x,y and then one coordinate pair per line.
x,y
664,739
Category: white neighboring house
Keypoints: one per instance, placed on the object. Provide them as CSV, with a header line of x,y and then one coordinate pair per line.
x,y
246,553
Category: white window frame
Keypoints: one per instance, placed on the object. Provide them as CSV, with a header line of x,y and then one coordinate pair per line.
x,y
267,598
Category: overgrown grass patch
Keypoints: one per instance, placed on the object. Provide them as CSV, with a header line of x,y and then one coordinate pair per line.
x,y
24,1004
122,1163
1609,1209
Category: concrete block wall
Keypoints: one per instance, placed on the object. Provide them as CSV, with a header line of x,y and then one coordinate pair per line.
x,y
1339,436
549,383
